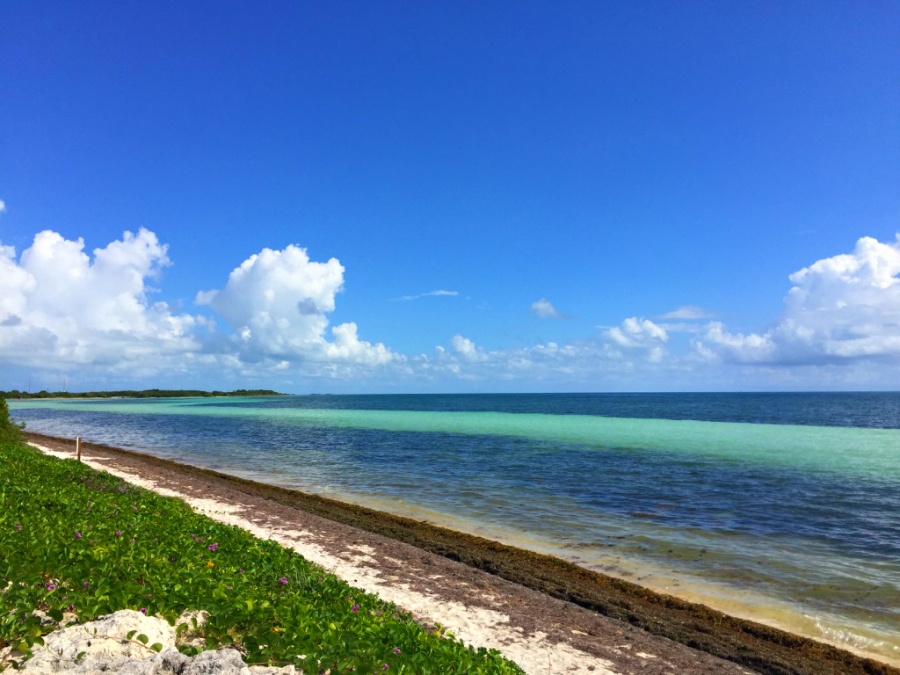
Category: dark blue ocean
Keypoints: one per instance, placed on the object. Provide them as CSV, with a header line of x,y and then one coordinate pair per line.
x,y
780,507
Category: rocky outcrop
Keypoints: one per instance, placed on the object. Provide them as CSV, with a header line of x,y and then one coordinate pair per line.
x,y
111,645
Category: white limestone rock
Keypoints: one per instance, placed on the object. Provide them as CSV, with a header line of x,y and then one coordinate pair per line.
x,y
103,640
104,647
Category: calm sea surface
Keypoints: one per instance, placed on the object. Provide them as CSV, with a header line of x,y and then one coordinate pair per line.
x,y
780,507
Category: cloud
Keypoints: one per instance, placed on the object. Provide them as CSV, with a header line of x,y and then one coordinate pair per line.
x,y
67,309
467,349
348,347
277,304
583,364
687,313
542,309
2,206
60,306
639,334
839,310
430,294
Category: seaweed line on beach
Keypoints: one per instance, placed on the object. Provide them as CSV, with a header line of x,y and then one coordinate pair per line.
x,y
762,648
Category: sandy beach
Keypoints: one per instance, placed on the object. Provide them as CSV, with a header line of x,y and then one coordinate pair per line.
x,y
546,615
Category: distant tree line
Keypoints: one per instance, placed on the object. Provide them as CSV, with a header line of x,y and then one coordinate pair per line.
x,y
144,393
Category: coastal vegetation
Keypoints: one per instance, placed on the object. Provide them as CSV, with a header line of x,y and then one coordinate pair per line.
x,y
78,543
9,431
143,393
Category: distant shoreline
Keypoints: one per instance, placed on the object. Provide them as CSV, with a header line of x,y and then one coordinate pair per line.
x,y
16,395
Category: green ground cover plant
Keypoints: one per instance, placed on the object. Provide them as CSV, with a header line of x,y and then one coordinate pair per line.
x,y
75,540
9,431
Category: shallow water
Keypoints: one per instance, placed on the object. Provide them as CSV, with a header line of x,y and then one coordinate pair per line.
x,y
780,507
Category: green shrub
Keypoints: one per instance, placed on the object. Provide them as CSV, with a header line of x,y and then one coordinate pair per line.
x,y
75,540
9,431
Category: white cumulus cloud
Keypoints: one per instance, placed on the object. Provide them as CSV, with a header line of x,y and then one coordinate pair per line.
x,y
639,334
839,309
466,348
277,303
65,308
60,306
543,309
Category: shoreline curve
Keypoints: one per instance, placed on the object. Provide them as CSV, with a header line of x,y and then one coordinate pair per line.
x,y
746,643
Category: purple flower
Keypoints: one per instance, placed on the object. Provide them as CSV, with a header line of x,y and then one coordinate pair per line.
x,y
143,610
283,580
396,650
78,535
19,526
132,540
385,667
355,608
228,587
240,570
213,547
71,608
84,584
118,533
51,587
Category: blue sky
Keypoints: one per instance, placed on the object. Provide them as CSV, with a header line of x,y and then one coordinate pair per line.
x,y
610,197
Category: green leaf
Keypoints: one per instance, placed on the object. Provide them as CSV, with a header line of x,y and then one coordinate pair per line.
x,y
130,634
156,646
143,639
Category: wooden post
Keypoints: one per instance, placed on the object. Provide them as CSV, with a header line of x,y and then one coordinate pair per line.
x,y
78,447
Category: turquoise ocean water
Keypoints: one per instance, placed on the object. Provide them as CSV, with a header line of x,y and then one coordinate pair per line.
x,y
783,508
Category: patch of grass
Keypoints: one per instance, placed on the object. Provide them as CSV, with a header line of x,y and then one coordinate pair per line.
x,y
76,540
